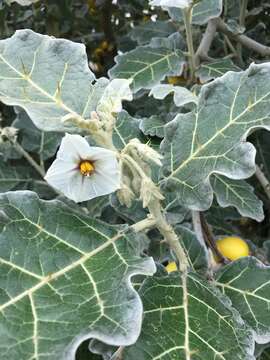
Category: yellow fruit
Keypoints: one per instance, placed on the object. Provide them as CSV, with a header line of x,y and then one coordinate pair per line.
x,y
173,80
171,267
104,45
232,247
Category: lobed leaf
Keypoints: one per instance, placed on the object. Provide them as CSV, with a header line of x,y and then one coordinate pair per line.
x,y
145,32
212,138
64,278
246,282
215,69
202,12
181,95
50,79
237,193
186,318
147,66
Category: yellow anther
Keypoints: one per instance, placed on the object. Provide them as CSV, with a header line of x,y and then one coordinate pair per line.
x,y
86,167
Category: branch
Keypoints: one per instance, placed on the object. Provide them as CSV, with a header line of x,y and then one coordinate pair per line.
x,y
169,235
144,225
263,181
187,14
207,39
243,39
29,158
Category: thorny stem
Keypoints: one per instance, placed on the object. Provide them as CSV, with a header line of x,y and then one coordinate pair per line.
x,y
29,158
164,228
130,161
263,181
187,14
144,225
169,235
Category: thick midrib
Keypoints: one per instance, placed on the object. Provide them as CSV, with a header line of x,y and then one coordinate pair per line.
x,y
42,91
61,272
202,147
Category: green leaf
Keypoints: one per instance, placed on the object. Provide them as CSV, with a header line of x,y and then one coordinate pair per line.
x,y
197,254
186,318
50,79
237,193
211,139
147,66
215,69
13,176
144,32
32,139
177,3
246,283
126,128
64,278
22,2
203,11
221,219
153,126
265,355
181,97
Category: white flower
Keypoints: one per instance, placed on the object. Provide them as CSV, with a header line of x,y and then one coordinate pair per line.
x,y
82,172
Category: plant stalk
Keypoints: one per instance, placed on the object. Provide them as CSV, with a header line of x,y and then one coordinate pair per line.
x,y
187,14
263,181
169,235
29,158
242,19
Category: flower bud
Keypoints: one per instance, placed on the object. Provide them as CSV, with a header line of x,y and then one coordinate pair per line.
x,y
149,192
145,152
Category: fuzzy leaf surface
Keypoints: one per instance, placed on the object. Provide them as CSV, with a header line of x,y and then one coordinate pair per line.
x,y
144,33
147,66
203,11
186,318
212,139
215,69
64,278
50,79
246,282
237,193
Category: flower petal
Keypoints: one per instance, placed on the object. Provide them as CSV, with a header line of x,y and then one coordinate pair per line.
x,y
74,148
65,176
60,174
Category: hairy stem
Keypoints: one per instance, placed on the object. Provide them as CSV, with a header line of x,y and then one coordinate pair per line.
x,y
263,181
29,158
160,222
144,225
169,235
187,14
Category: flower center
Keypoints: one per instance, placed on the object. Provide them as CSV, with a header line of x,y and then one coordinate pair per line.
x,y
86,167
